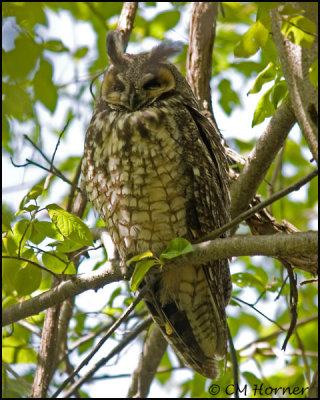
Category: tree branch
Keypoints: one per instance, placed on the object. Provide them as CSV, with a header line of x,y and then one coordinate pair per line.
x,y
154,349
260,159
114,326
275,334
75,285
199,58
48,353
126,20
268,245
258,207
314,391
296,62
131,336
278,245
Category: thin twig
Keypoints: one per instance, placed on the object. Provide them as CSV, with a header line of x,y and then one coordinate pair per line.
x,y
267,338
293,302
243,216
34,263
58,141
131,336
235,365
118,322
258,311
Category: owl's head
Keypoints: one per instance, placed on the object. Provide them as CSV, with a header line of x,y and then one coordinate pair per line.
x,y
134,81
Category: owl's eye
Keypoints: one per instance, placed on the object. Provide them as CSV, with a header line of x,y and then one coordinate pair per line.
x,y
153,83
118,86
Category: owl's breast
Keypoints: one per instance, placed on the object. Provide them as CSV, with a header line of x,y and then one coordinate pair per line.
x,y
138,180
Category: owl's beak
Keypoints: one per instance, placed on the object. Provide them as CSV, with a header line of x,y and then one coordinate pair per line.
x,y
134,100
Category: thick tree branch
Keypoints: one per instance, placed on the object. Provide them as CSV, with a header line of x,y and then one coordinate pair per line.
x,y
278,245
260,159
199,58
126,20
48,352
154,349
198,76
268,245
296,62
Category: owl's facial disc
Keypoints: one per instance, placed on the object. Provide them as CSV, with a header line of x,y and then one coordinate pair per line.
x,y
134,95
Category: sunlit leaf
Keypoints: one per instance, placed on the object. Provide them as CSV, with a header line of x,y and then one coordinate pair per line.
x,y
175,248
243,279
264,108
252,40
313,73
141,268
70,225
267,75
140,257
299,30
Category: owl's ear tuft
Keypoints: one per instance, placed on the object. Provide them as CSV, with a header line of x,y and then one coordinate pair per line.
x,y
114,47
165,50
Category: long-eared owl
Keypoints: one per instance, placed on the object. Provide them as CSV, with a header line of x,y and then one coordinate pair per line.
x,y
155,169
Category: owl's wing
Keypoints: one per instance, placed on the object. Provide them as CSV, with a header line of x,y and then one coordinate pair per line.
x,y
212,206
211,138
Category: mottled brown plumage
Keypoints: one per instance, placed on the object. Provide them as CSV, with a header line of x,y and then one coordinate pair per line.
x,y
155,169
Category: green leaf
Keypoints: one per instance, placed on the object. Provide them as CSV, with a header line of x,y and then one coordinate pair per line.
x,y
21,276
252,379
9,269
21,232
141,268
313,73
55,45
244,279
35,191
263,12
163,22
67,245
228,97
58,263
264,108
278,93
299,30
19,62
27,14
252,40
247,68
175,248
16,102
44,88
140,257
7,218
114,294
269,52
15,351
81,52
165,364
70,225
267,75
33,194
9,245
44,229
